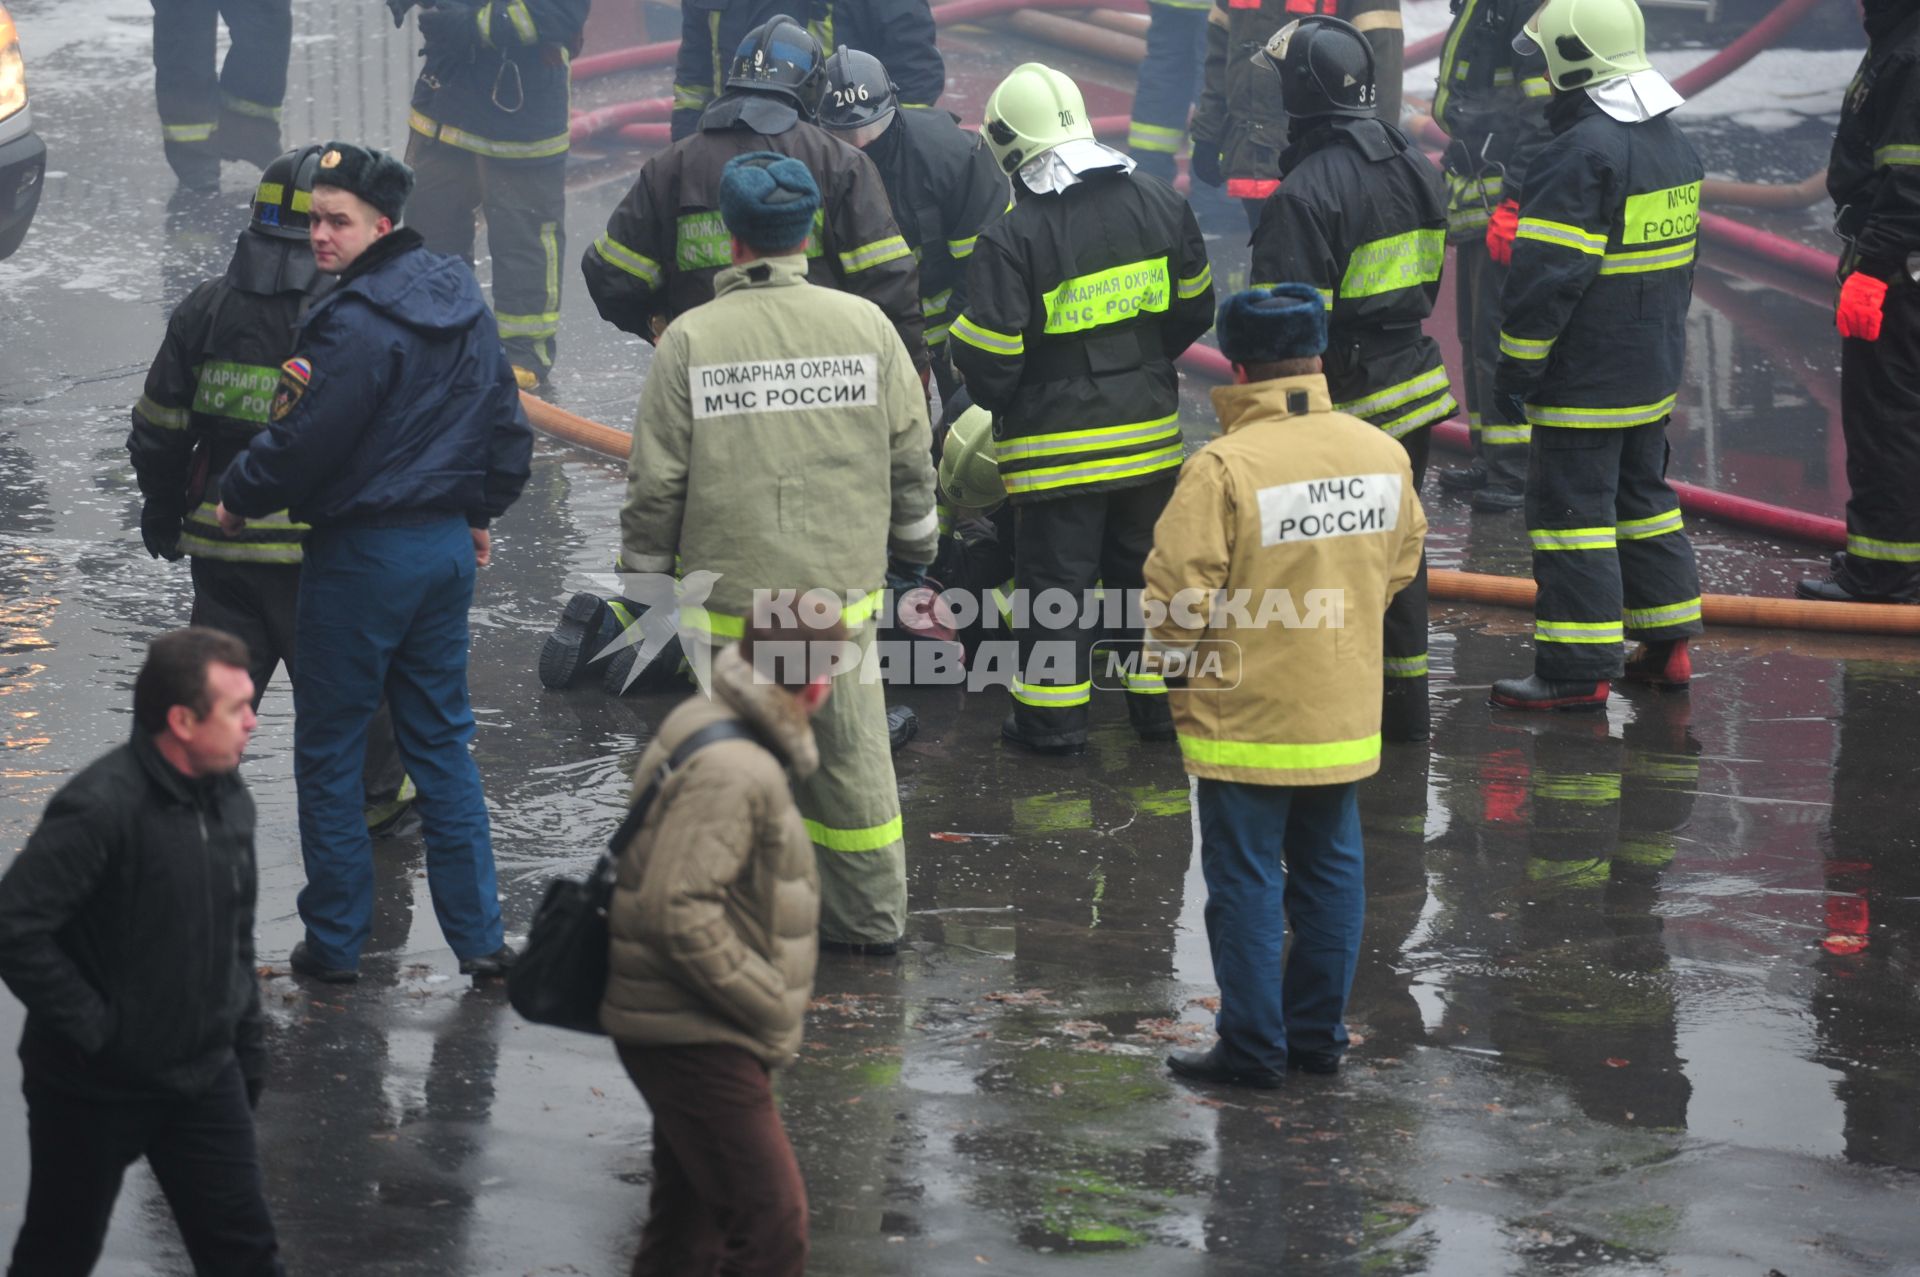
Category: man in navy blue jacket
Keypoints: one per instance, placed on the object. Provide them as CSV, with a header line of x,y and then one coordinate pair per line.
x,y
396,431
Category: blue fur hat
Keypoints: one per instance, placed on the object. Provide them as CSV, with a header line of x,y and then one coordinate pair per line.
x,y
1267,325
768,200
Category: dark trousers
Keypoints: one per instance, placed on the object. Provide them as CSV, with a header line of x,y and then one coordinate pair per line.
x,y
525,204
1880,416
387,608
727,1193
1610,553
195,105
256,603
1274,857
1406,713
1071,544
1498,444
1176,50
201,1151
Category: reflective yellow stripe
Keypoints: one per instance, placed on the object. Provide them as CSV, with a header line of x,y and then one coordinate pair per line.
x,y
1022,481
1108,296
1028,447
1897,153
1407,666
1471,217
1507,434
1260,756
165,418
1144,684
728,625
256,110
483,19
1537,228
1673,213
1572,538
188,132
550,245
273,192
1536,86
988,340
1650,618
1592,788
1525,347
535,150
935,334
891,249
1052,697
1579,632
871,838
1653,526
936,304
277,522
522,21
1617,418
1326,295
545,325
1649,259
1425,415
1434,379
961,249
1142,136
614,253
691,97
1192,286
1396,262
241,551
1889,551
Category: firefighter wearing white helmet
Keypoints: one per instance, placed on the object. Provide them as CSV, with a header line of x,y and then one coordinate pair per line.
x,y
1591,348
1078,301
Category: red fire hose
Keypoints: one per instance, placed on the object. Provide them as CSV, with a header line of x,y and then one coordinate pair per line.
x,y
1742,50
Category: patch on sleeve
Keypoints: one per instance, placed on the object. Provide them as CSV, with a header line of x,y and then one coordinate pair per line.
x,y
294,376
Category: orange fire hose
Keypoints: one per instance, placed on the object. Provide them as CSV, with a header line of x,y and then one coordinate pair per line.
x,y
1114,20
1442,583
1717,609
1128,50
1802,194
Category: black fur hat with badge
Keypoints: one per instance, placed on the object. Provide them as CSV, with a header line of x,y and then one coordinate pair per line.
x,y
1271,325
375,176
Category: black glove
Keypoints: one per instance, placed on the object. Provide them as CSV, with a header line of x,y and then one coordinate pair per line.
x,y
1512,405
161,535
255,1085
903,576
449,26
1205,165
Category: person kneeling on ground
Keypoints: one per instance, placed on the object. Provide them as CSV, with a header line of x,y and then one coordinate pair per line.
x,y
713,926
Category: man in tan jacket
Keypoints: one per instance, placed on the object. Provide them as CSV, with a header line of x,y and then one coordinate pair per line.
x,y
713,948
1265,593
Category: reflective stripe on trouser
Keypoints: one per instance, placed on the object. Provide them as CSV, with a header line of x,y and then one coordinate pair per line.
x,y
1075,543
258,603
1404,633
851,805
186,90
1169,74
387,607
525,206
1499,445
1398,390
1880,416
1594,595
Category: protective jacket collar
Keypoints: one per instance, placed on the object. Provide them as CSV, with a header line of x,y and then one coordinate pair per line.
x,y
767,272
1636,98
1068,162
1238,406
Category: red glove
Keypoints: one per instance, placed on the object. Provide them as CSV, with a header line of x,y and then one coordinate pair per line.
x,y
1501,229
1861,300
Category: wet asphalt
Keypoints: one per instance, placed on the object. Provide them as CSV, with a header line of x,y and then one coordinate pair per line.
x,y
1638,992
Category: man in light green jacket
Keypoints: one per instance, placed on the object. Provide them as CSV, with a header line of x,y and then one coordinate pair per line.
x,y
782,442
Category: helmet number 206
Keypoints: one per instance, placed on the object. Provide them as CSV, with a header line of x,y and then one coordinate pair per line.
x,y
848,96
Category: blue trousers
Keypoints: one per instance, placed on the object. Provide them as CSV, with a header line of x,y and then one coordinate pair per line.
x,y
1276,856
1169,75
385,607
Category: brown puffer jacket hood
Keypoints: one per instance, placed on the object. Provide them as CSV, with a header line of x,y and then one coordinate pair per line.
x,y
717,902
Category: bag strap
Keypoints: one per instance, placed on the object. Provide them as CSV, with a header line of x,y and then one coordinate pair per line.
x,y
726,729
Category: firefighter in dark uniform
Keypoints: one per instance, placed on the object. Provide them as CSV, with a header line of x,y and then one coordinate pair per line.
x,y
234,115
1078,301
941,180
489,135
1591,350
1361,216
206,395
665,241
1493,101
1241,126
1874,178
898,32
1169,74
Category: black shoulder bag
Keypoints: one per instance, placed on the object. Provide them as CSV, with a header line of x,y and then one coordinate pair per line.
x,y
562,975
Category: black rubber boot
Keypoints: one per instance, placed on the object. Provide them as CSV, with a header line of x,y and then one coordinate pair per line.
x,y
1152,718
1405,714
1468,478
586,626
902,726
1536,693
1492,500
1064,743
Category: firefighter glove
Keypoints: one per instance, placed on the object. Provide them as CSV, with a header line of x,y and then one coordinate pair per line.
x,y
1205,164
1512,405
1501,229
1862,298
161,534
449,26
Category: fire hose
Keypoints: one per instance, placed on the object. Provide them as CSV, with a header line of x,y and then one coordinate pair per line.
x,y
1442,583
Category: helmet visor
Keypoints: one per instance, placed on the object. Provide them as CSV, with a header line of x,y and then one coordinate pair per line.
x,y
1275,53
1527,43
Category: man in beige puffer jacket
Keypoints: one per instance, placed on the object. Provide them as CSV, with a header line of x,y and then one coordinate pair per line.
x,y
713,927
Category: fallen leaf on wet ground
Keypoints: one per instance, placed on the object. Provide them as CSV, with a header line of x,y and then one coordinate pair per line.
x,y
1021,998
